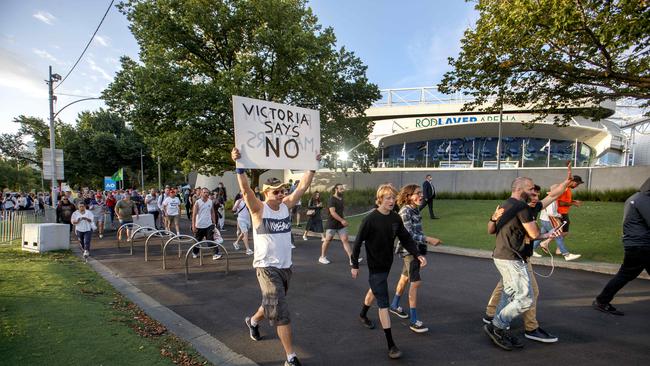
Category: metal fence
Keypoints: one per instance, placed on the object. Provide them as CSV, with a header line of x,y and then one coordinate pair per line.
x,y
11,222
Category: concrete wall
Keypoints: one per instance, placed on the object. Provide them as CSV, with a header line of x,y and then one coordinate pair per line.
x,y
454,180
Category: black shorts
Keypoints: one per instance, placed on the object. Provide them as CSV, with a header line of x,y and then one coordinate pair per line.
x,y
565,228
379,287
411,268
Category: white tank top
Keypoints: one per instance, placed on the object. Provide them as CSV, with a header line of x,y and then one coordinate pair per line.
x,y
272,238
204,215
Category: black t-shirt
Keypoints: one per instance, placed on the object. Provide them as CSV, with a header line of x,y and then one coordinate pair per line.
x,y
332,223
378,232
511,235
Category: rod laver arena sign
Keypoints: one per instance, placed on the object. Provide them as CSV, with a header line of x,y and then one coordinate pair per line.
x,y
275,136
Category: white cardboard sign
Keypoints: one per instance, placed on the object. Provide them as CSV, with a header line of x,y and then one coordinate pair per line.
x,y
275,136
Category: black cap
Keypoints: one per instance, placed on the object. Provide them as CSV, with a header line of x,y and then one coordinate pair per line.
x,y
577,179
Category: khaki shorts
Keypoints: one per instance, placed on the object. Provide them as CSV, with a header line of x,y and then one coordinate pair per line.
x,y
411,268
274,283
172,220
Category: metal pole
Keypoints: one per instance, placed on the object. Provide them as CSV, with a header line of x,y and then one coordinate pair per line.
x,y
159,180
473,152
426,157
404,150
548,154
523,154
52,141
575,156
499,141
142,170
633,149
449,156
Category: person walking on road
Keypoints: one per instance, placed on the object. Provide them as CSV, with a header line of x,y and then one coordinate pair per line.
x,y
64,211
314,219
171,207
429,191
83,221
336,224
124,209
98,208
151,202
636,244
564,204
204,219
272,259
378,231
243,224
410,199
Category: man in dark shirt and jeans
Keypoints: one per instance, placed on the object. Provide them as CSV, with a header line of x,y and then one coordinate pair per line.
x,y
636,243
336,224
378,231
510,253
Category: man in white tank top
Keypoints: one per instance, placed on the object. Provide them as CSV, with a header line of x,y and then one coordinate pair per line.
x,y
272,259
203,221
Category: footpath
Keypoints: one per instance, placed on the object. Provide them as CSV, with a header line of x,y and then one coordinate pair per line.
x,y
208,309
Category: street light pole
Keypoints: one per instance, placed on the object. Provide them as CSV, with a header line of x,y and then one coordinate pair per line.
x,y
159,180
50,82
141,170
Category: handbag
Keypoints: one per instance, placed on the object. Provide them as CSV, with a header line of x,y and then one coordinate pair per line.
x,y
310,212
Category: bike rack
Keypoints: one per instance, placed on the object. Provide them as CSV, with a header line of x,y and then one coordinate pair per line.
x,y
133,238
211,244
179,238
124,227
161,234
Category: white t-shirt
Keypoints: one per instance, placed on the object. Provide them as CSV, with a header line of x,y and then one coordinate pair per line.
x,y
83,225
9,204
272,238
172,206
204,213
152,205
550,210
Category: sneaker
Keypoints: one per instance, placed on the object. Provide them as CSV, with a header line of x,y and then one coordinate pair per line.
x,y
293,362
498,336
399,311
541,335
304,238
216,256
394,352
128,239
194,255
606,308
570,257
249,252
360,260
323,260
367,323
487,319
293,246
418,327
86,254
236,246
101,236
513,339
536,255
253,330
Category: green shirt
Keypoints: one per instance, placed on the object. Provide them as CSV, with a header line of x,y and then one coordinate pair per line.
x,y
125,210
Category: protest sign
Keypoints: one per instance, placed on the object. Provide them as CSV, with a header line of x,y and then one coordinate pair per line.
x,y
275,136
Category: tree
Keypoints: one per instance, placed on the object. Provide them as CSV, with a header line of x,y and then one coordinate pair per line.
x,y
196,55
552,54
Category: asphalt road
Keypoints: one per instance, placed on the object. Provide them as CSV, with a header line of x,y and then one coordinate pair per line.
x,y
325,301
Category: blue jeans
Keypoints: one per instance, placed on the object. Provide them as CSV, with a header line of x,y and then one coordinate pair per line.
x,y
84,238
517,291
547,227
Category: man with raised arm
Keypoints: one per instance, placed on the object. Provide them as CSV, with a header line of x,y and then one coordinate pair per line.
x,y
272,258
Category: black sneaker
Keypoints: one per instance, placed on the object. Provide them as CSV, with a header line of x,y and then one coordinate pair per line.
x,y
498,336
293,362
606,308
254,330
394,352
513,339
540,335
487,319
418,327
367,322
399,312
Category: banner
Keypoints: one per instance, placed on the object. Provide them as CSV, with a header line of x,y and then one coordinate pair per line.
x,y
275,136
109,184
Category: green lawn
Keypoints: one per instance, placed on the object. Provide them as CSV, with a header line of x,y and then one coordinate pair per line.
x,y
55,310
596,227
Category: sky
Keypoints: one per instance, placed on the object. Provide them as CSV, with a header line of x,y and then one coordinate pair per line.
x,y
403,44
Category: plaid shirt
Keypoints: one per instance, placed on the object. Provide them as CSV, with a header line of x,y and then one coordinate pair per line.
x,y
413,224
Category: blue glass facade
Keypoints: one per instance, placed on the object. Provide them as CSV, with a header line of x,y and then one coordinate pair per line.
x,y
484,149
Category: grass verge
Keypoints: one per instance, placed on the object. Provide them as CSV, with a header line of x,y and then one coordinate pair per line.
x,y
596,227
55,310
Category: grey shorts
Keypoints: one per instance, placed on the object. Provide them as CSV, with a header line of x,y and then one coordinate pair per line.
x,y
274,283
172,220
341,232
411,268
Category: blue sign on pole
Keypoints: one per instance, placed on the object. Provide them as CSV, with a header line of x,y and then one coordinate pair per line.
x,y
109,184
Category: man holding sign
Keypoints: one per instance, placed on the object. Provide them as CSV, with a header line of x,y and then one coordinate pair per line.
x,y
272,258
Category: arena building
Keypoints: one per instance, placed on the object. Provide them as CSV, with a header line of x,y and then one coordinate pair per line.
x,y
419,128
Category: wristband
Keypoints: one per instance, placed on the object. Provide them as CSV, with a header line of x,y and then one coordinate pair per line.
x,y
312,171
240,170
494,221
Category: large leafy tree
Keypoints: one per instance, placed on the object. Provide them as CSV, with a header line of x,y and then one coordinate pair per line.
x,y
553,54
196,54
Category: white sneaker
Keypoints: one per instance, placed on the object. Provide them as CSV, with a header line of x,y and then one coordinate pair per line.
x,y
194,255
249,252
323,260
101,236
236,246
293,246
536,255
86,254
570,257
304,238
216,256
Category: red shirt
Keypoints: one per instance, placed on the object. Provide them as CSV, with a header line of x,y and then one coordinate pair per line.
x,y
111,201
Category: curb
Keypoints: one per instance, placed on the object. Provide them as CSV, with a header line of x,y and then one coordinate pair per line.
x,y
209,347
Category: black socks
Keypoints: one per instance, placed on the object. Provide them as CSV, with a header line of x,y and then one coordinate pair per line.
x,y
364,311
389,338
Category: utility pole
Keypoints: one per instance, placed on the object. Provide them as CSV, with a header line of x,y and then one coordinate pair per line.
x,y
50,82
159,180
141,170
499,142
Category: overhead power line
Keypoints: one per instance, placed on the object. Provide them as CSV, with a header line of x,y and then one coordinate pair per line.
x,y
87,45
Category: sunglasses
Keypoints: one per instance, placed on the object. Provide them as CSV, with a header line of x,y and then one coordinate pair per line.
x,y
278,191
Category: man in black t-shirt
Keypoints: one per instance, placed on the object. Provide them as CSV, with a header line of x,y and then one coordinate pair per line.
x,y
515,231
378,232
336,224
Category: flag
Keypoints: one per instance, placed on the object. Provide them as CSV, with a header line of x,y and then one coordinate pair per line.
x,y
448,148
118,176
547,146
404,149
422,147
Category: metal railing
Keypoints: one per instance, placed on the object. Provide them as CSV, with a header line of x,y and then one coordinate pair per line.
x,y
11,223
162,234
181,239
143,231
205,244
421,95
